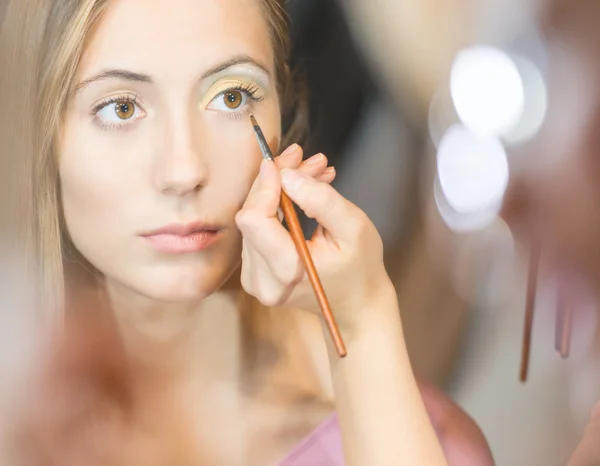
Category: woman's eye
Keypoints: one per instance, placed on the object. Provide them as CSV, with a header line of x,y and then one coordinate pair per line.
x,y
119,112
124,110
233,99
229,100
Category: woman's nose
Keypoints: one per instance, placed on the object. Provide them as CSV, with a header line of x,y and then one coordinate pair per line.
x,y
182,168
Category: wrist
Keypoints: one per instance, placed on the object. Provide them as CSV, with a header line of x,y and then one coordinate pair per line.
x,y
376,314
371,319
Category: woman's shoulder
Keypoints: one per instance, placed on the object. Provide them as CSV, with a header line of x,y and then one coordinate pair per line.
x,y
461,438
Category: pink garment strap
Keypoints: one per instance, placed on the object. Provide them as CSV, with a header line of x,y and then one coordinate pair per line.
x,y
323,447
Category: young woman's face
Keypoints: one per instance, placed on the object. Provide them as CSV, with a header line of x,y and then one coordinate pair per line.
x,y
157,153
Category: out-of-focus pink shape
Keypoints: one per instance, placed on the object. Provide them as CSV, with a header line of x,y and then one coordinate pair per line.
x,y
323,447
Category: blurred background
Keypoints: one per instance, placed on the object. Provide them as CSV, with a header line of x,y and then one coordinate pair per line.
x,y
423,106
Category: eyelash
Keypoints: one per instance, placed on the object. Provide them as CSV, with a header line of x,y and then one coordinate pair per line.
x,y
247,89
113,101
250,92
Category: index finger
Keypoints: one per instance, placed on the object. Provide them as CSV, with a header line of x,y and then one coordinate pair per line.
x,y
290,158
342,219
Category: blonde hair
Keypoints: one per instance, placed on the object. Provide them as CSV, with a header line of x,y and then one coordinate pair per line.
x,y
42,42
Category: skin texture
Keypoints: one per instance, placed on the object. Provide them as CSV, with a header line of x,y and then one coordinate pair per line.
x,y
146,385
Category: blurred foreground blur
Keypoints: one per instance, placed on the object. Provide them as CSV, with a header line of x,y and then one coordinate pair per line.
x,y
473,78
426,108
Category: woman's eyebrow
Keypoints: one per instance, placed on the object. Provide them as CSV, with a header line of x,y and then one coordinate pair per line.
x,y
119,74
144,78
237,60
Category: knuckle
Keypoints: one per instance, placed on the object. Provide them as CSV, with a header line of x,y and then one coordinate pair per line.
x,y
363,234
246,281
269,297
328,194
240,218
360,225
328,200
252,284
288,272
363,227
245,219
287,162
281,163
315,162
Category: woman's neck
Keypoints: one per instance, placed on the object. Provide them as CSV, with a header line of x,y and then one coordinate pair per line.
x,y
226,339
180,339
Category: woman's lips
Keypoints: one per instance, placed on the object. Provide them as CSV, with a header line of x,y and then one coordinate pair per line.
x,y
181,239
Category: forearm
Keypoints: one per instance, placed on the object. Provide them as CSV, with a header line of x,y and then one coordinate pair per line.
x,y
382,416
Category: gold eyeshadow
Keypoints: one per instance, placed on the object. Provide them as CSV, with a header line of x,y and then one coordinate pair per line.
x,y
230,83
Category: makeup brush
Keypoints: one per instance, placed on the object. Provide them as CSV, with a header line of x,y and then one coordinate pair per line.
x,y
532,279
564,319
297,235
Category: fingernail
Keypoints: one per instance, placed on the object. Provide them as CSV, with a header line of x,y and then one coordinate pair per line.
x,y
315,159
290,150
264,168
291,179
330,170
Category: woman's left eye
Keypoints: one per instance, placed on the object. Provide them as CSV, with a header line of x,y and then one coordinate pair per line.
x,y
228,101
118,112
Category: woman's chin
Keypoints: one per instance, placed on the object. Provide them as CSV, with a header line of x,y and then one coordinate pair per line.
x,y
175,286
178,294
181,290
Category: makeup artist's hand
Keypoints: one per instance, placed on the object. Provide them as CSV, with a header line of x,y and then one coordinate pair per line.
x,y
346,247
314,166
348,254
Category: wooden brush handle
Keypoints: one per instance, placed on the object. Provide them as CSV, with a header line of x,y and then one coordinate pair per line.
x,y
532,279
564,318
297,235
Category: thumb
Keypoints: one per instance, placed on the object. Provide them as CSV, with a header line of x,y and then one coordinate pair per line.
x,y
342,219
588,450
